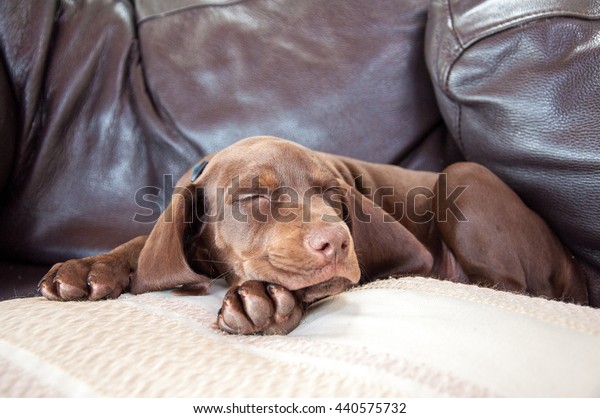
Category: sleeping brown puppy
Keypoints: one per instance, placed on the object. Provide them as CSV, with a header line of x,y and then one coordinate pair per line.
x,y
285,225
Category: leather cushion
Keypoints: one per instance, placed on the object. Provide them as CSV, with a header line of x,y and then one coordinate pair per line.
x,y
339,76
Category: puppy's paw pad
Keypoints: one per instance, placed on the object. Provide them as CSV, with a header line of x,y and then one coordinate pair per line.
x,y
98,277
257,307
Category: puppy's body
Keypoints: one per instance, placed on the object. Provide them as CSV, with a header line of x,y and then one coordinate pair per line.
x,y
286,225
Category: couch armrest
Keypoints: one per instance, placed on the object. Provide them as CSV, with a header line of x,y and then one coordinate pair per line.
x,y
519,88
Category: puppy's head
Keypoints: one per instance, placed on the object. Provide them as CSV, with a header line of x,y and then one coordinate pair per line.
x,y
263,209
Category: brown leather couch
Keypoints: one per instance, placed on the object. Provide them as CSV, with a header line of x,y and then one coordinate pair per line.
x,y
105,101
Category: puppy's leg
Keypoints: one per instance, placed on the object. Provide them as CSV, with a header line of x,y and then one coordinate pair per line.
x,y
97,277
501,242
257,307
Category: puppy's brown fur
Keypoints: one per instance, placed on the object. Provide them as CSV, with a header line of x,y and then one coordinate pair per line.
x,y
286,225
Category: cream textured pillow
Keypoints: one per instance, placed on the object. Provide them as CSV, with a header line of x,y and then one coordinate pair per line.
x,y
397,337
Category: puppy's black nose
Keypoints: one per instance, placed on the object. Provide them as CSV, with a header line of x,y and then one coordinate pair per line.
x,y
329,243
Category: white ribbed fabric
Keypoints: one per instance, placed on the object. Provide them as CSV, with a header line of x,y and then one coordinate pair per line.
x,y
399,337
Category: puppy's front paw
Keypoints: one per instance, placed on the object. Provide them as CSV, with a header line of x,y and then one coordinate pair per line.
x,y
99,277
258,307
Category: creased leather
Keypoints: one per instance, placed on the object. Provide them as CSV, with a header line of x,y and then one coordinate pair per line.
x,y
521,93
88,134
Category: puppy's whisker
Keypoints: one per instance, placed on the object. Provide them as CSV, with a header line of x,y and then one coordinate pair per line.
x,y
258,257
209,261
222,275
363,274
363,270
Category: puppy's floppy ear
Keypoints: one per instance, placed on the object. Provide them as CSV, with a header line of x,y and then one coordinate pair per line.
x,y
163,263
383,245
